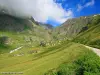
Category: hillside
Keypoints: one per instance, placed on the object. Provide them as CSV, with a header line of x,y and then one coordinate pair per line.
x,y
83,30
10,23
72,27
91,36
16,32
31,48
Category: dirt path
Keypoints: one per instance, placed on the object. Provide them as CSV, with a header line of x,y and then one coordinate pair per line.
x,y
97,51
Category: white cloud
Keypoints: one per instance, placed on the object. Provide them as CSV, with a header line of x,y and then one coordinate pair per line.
x,y
80,7
91,3
69,14
41,10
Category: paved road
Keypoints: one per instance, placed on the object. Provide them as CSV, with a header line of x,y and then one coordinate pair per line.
x,y
97,51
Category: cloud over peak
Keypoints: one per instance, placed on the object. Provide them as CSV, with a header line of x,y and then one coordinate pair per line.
x,y
41,10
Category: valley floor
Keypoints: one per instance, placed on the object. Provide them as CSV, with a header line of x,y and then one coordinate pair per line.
x,y
40,63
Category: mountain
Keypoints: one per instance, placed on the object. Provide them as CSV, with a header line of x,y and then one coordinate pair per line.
x,y
86,32
19,31
74,26
10,23
83,30
23,46
47,26
90,36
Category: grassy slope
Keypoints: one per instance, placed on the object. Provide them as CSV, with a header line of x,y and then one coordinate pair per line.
x,y
41,63
91,36
87,64
21,32
47,59
71,27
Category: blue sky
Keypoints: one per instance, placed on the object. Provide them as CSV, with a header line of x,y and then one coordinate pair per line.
x,y
78,8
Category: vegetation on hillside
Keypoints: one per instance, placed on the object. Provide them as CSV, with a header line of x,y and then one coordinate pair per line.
x,y
48,51
21,32
91,36
40,62
84,30
71,27
88,64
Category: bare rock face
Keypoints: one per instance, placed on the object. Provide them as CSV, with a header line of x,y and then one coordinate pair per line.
x,y
10,23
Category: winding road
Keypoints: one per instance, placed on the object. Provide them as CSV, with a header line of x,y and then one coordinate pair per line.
x,y
95,50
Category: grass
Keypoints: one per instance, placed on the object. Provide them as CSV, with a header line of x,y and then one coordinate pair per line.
x,y
19,39
41,63
87,64
90,37
21,32
65,58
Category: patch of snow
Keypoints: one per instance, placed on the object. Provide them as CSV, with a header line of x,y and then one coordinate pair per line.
x,y
16,49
